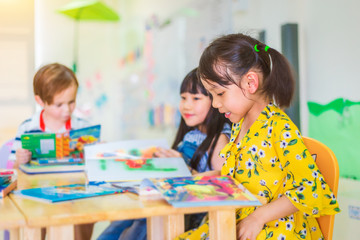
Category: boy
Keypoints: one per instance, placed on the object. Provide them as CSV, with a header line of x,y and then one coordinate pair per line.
x,y
55,88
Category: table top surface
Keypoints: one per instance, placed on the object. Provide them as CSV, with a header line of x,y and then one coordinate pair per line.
x,y
110,207
10,216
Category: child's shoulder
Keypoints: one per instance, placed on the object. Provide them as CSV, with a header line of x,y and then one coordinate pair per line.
x,y
279,119
31,124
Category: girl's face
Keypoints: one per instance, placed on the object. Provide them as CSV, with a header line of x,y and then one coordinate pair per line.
x,y
194,108
230,100
63,105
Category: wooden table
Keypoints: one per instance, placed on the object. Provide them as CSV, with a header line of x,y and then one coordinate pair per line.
x,y
59,218
10,217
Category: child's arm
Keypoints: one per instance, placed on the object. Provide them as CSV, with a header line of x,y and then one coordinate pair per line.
x,y
216,160
166,153
250,227
209,173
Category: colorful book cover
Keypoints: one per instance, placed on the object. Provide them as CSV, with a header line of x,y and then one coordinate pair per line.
x,y
8,181
198,191
60,146
55,194
114,170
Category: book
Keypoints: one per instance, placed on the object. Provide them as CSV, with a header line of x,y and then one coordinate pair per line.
x,y
114,170
8,181
54,194
29,168
198,191
68,145
131,160
127,149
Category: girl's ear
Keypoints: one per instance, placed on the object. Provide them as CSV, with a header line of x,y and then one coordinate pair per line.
x,y
252,81
39,101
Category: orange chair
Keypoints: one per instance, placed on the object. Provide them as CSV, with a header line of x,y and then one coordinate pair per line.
x,y
327,163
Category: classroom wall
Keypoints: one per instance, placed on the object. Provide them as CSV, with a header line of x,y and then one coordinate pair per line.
x,y
130,71
16,64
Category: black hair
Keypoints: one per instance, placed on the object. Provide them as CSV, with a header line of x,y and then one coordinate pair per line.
x,y
214,122
239,53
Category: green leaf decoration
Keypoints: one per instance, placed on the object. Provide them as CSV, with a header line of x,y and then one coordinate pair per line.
x,y
240,171
292,142
304,154
286,152
311,166
301,196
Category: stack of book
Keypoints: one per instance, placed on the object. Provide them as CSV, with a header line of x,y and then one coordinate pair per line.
x,y
8,181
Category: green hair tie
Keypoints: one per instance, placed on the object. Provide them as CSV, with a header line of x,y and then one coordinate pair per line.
x,y
256,49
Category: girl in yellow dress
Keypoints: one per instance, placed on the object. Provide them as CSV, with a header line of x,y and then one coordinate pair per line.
x,y
250,83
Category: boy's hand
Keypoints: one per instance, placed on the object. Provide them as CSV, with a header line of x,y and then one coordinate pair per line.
x,y
166,153
249,228
22,156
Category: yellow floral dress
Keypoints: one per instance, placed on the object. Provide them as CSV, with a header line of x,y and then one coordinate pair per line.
x,y
271,161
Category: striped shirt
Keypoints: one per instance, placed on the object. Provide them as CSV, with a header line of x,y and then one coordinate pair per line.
x,y
32,125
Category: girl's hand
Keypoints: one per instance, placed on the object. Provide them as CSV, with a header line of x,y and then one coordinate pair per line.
x,y
166,153
249,228
22,156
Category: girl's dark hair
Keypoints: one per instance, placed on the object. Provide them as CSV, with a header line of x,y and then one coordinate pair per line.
x,y
214,122
239,53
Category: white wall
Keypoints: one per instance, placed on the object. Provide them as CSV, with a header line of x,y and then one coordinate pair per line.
x,y
98,47
16,64
328,33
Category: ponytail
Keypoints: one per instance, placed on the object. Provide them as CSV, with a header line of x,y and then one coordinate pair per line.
x,y
279,85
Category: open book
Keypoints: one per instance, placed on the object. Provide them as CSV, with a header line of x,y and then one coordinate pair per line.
x,y
55,153
131,160
198,191
114,170
50,147
55,194
8,181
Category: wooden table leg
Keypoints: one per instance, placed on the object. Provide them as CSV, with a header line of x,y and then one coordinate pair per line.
x,y
14,234
155,226
173,226
60,232
222,224
31,233
165,227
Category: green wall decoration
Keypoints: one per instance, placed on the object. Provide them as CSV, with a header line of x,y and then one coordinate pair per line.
x,y
337,124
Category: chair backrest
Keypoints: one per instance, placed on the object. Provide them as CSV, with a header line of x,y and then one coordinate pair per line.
x,y
327,163
5,151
